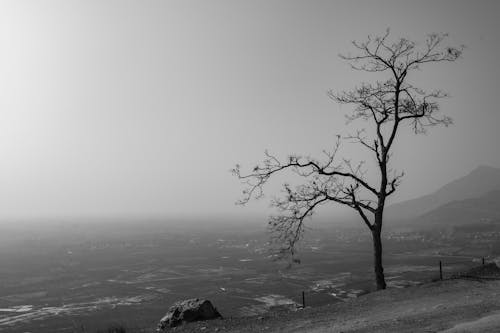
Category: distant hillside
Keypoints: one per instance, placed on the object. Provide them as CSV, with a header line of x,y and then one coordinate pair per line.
x,y
479,182
484,209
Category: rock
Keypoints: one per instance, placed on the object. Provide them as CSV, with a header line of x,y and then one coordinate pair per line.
x,y
187,311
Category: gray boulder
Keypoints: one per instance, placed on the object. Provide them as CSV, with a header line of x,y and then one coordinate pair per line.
x,y
187,311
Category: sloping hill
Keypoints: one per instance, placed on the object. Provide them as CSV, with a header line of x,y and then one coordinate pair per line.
x,y
484,209
480,181
444,306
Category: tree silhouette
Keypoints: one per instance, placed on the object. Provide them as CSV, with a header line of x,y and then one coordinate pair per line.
x,y
383,107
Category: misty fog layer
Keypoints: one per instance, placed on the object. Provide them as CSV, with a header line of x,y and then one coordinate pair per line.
x,y
141,109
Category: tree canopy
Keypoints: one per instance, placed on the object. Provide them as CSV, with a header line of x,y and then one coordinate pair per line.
x,y
382,107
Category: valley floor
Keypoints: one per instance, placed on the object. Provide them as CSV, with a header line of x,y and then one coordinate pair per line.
x,y
449,306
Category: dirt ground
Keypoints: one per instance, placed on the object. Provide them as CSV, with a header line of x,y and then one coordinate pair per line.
x,y
451,306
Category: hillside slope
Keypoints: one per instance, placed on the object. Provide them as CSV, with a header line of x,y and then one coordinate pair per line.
x,y
445,306
484,209
480,181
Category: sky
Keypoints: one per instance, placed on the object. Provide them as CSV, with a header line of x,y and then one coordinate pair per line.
x,y
113,109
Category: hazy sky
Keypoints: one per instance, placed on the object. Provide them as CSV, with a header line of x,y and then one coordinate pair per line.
x,y
140,108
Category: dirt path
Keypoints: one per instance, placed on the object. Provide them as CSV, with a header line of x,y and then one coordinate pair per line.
x,y
490,323
448,307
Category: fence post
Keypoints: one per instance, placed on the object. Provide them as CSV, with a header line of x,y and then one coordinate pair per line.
x,y
303,300
483,261
440,270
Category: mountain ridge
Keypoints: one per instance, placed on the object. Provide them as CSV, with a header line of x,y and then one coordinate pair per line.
x,y
484,209
480,181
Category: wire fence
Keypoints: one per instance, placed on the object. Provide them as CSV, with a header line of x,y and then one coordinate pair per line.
x,y
474,268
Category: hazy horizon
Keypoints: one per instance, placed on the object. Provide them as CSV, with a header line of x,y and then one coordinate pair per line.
x,y
123,109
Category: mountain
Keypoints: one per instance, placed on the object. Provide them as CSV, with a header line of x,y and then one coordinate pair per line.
x,y
485,209
480,181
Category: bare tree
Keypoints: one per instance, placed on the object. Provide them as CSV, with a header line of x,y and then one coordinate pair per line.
x,y
383,107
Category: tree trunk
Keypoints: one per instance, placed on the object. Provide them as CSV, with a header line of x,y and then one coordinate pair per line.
x,y
379,270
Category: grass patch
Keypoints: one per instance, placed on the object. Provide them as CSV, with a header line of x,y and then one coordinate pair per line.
x,y
114,328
